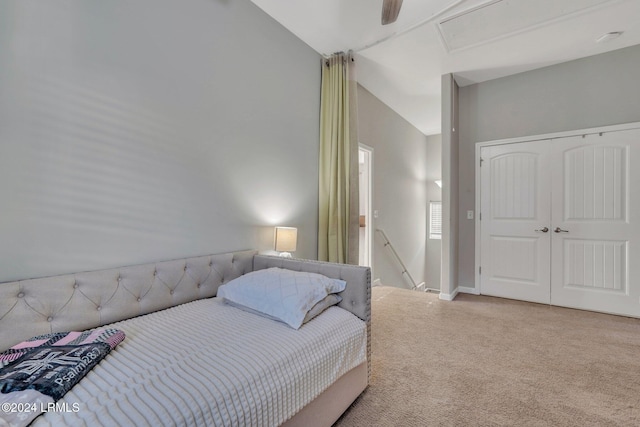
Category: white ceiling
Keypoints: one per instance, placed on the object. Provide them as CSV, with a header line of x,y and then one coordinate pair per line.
x,y
477,40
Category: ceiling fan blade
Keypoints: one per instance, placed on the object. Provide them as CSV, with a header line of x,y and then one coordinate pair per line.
x,y
390,11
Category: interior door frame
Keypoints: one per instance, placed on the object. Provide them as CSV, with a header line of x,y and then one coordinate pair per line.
x,y
479,145
369,208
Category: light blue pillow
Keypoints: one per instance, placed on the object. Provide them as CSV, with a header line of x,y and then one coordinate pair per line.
x,y
280,294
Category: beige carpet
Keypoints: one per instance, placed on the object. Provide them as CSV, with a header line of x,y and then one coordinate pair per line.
x,y
483,361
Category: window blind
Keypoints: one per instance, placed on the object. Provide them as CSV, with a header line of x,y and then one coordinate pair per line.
x,y
435,220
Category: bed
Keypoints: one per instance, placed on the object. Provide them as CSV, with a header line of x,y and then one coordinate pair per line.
x,y
191,359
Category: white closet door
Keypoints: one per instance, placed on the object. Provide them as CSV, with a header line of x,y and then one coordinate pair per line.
x,y
595,251
515,207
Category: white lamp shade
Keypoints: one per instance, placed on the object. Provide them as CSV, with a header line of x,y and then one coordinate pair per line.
x,y
286,239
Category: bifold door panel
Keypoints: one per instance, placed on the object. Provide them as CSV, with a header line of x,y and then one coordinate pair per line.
x,y
560,223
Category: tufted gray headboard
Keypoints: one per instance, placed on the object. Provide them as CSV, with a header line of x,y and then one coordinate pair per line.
x,y
87,300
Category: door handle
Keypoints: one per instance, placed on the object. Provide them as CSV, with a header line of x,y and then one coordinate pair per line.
x,y
560,230
544,230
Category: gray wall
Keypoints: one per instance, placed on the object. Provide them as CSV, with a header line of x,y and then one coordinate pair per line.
x,y
450,187
399,189
590,92
140,131
434,193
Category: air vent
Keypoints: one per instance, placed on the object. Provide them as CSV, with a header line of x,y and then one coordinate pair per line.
x,y
500,18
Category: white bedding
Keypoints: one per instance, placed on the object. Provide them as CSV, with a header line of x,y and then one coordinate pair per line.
x,y
178,367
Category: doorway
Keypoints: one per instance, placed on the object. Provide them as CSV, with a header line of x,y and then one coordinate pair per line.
x,y
365,169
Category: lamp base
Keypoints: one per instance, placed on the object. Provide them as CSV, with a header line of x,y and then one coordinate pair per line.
x,y
286,255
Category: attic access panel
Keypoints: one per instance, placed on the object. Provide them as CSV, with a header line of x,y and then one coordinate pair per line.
x,y
499,18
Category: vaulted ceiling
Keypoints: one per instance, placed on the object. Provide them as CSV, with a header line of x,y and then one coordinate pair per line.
x,y
477,40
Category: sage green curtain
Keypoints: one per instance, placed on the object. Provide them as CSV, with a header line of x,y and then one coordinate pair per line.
x,y
338,189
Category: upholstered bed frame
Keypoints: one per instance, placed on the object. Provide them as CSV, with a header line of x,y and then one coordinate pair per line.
x,y
90,299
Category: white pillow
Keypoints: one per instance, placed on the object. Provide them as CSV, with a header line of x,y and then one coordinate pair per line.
x,y
282,294
316,310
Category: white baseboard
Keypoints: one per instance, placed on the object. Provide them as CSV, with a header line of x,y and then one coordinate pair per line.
x,y
449,297
376,282
468,290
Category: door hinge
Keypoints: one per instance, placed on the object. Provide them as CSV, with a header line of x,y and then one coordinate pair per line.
x,y
479,270
481,160
480,217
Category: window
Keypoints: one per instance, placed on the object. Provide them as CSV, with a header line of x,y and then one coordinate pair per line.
x,y
435,220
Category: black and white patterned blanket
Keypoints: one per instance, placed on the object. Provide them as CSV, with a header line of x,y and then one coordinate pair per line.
x,y
37,373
